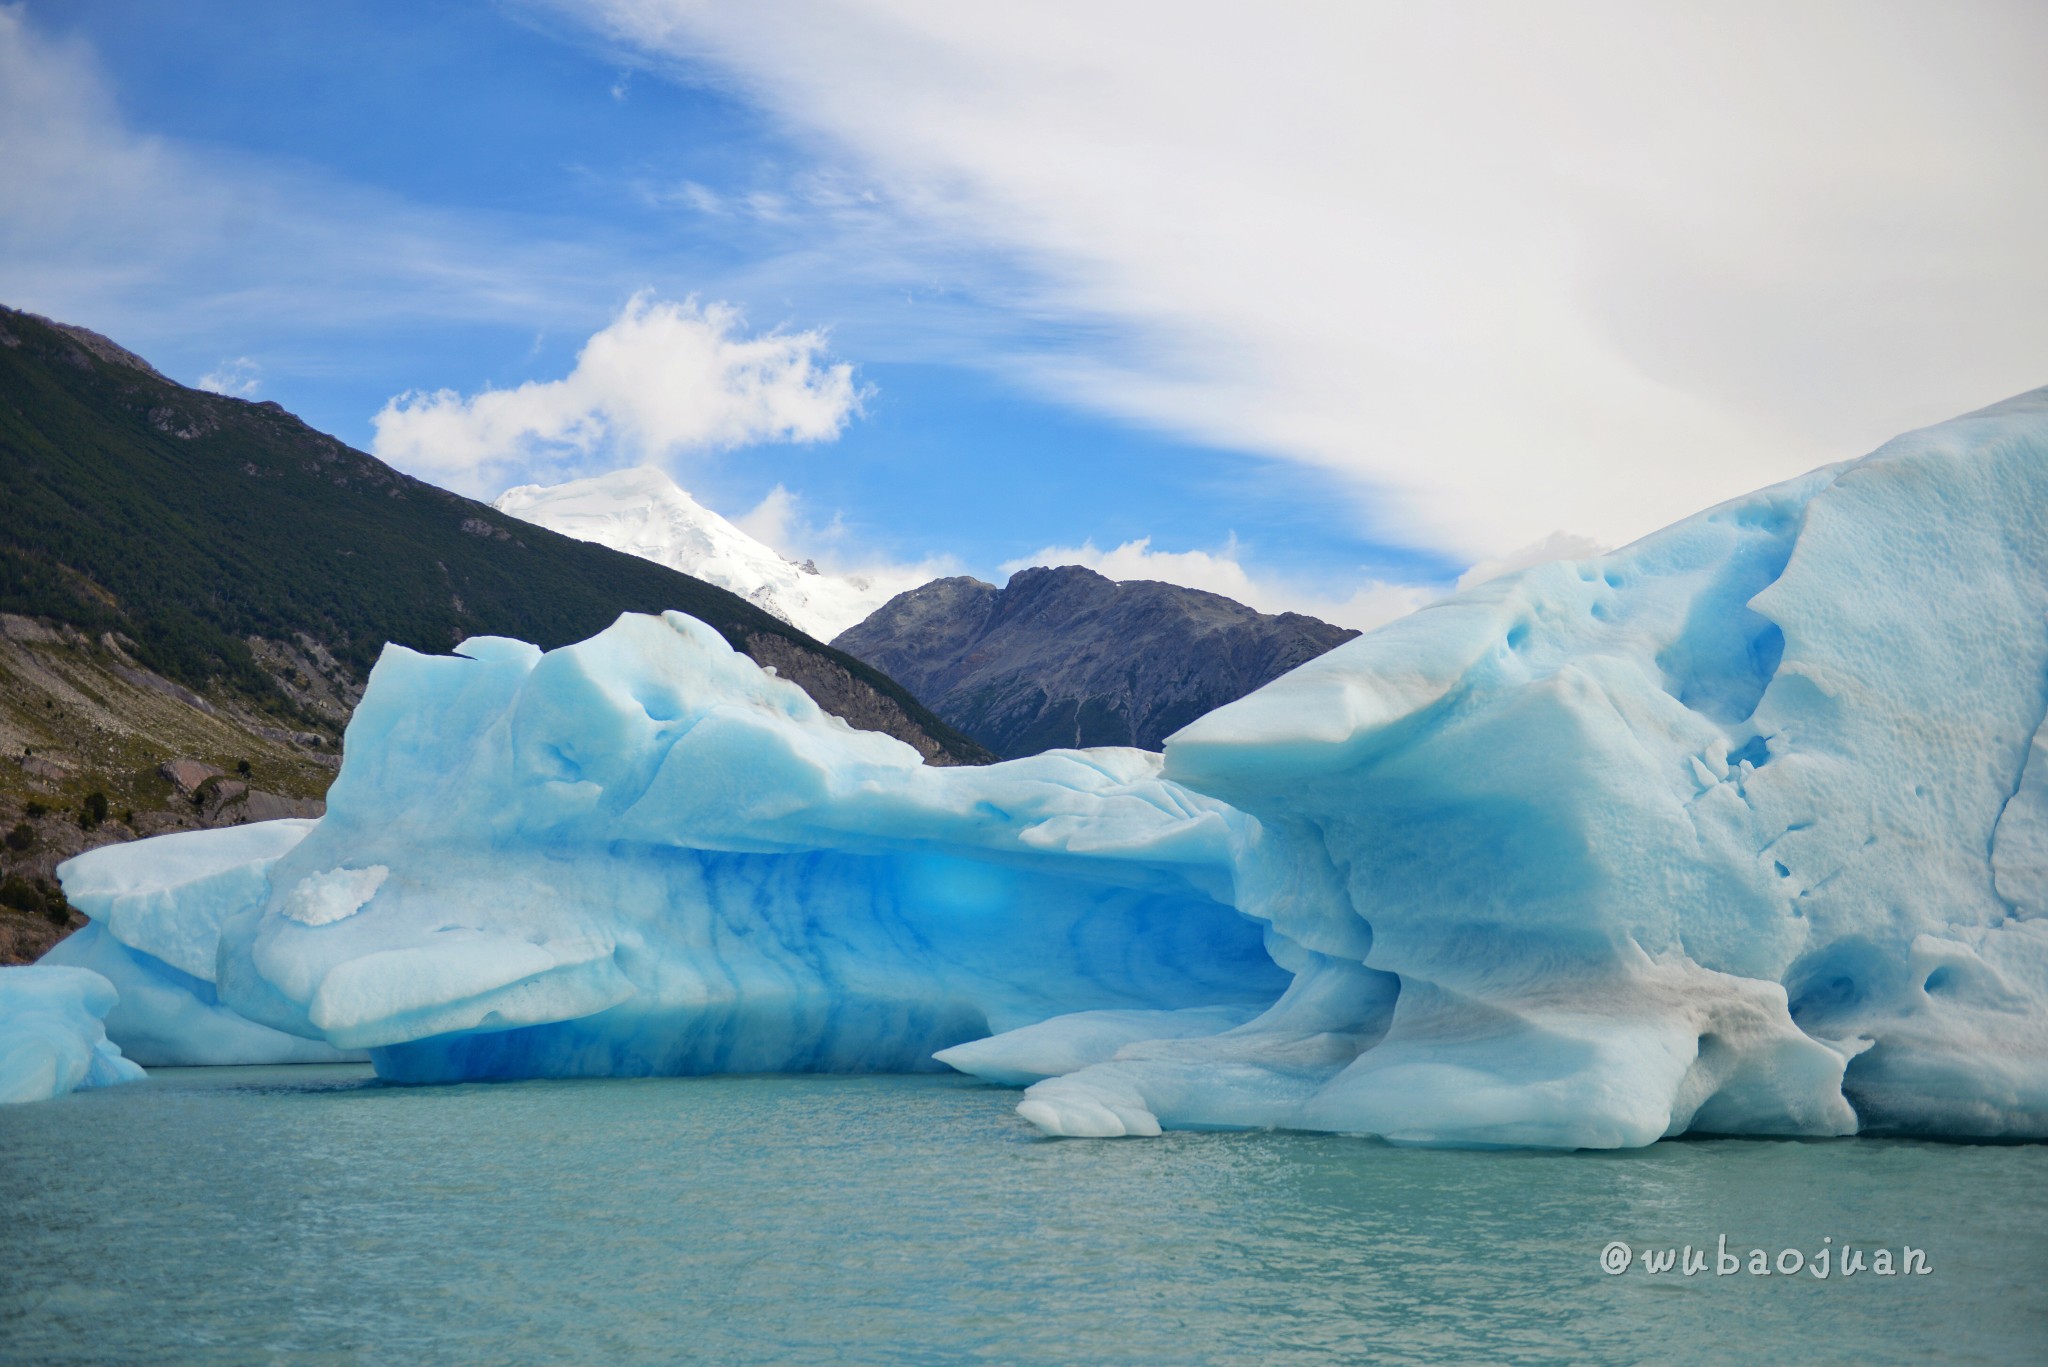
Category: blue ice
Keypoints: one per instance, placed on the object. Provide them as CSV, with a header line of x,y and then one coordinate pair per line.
x,y
1738,829
52,1039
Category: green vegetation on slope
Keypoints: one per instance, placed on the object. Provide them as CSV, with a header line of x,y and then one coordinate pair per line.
x,y
197,527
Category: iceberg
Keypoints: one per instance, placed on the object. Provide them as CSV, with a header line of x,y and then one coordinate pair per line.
x,y
1739,829
644,854
157,906
51,1037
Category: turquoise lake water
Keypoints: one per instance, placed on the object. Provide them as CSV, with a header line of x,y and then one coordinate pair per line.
x,y
313,1215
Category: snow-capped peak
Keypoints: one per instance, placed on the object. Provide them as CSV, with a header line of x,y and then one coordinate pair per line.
x,y
643,512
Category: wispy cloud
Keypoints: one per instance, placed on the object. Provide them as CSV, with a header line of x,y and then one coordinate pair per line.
x,y
663,380
124,230
1556,546
1512,268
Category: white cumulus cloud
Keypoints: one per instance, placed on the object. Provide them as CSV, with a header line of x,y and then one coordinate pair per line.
x,y
239,376
663,380
780,522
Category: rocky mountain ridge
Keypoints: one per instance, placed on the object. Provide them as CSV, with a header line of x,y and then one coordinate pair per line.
x,y
1068,658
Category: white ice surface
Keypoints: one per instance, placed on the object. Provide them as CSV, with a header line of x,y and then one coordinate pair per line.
x,y
157,907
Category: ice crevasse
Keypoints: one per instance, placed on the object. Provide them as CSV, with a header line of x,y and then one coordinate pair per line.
x,y
1742,829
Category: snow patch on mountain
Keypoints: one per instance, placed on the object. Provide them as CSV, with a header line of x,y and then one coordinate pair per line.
x,y
643,512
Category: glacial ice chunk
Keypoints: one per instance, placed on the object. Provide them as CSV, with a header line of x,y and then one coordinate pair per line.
x,y
168,896
52,1040
157,907
1739,829
644,854
167,1018
1065,1044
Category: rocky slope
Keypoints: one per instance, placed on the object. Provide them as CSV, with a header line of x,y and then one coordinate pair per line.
x,y
99,749
1066,657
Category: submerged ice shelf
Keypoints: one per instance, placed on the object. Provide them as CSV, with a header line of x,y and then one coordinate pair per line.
x,y
1737,829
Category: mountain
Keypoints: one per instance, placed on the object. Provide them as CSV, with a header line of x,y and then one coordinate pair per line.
x,y
193,589
1066,657
642,512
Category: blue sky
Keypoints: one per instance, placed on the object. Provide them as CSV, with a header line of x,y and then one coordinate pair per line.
x,y
1101,283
